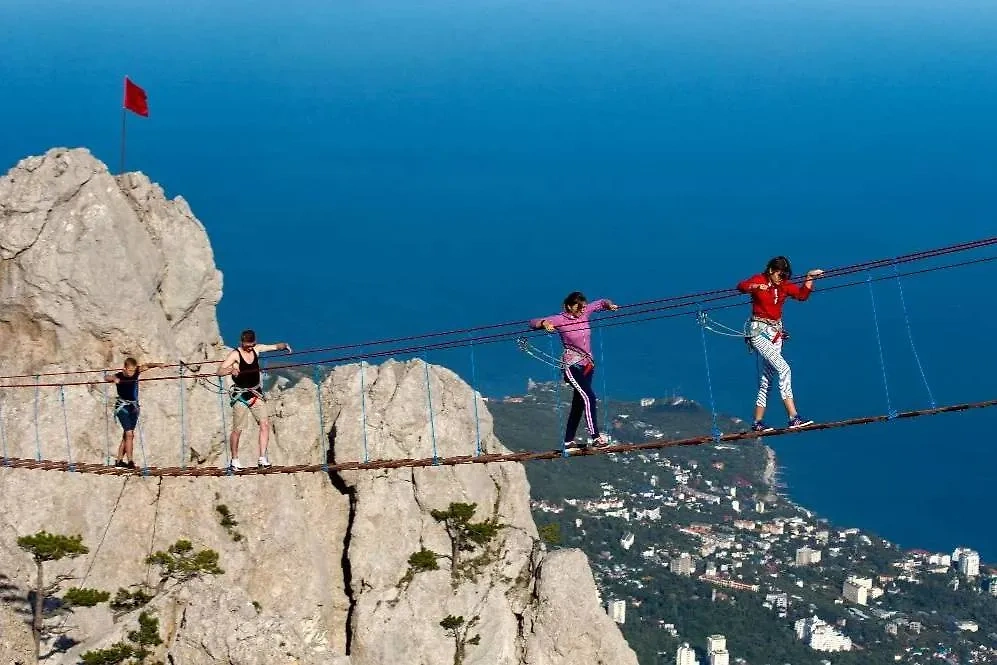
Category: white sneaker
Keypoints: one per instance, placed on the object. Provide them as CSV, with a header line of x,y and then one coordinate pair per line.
x,y
600,441
263,463
235,465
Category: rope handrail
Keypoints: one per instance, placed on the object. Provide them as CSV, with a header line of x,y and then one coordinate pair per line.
x,y
484,458
605,321
674,301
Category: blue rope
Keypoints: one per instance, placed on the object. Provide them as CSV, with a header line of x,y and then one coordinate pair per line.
x,y
363,409
323,438
221,411
107,425
3,435
432,425
557,396
474,398
263,377
879,343
65,423
715,430
605,389
910,336
141,445
38,438
183,424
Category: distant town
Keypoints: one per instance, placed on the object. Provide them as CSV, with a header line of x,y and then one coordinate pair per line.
x,y
709,528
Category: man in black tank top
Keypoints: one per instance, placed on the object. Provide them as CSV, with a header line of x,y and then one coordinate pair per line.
x,y
243,365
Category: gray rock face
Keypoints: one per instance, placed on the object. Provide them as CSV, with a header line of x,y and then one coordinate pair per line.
x,y
16,645
95,267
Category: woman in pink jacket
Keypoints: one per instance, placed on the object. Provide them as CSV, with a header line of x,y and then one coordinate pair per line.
x,y
573,326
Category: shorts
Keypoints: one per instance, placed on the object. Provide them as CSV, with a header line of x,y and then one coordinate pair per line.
x,y
128,417
260,410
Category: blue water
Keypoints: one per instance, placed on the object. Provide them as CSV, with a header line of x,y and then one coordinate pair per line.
x,y
380,168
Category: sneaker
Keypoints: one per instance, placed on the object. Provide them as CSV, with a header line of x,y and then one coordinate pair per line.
x,y
760,426
600,441
574,445
235,465
799,422
130,464
120,464
263,463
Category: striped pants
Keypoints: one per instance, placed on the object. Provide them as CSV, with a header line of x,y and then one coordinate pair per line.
x,y
762,336
583,402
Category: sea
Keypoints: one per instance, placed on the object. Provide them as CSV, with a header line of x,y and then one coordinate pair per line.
x,y
378,169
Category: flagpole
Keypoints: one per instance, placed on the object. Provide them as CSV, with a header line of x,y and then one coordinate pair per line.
x,y
123,113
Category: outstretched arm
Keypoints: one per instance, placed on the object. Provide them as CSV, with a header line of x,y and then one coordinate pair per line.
x,y
148,366
601,304
230,365
279,346
548,323
802,293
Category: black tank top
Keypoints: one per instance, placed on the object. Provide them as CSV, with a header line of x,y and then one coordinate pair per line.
x,y
249,373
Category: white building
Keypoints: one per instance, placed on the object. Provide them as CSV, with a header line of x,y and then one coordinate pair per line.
x,y
856,590
685,655
940,560
969,563
759,506
627,541
617,610
682,565
806,556
735,505
819,636
992,585
716,643
720,658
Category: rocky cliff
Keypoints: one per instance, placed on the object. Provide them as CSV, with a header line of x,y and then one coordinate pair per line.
x,y
96,267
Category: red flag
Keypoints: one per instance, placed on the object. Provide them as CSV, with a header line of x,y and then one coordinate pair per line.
x,y
136,100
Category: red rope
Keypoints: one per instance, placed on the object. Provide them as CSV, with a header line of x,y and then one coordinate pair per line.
x,y
661,304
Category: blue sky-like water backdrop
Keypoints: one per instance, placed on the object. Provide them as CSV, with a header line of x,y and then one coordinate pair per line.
x,y
382,168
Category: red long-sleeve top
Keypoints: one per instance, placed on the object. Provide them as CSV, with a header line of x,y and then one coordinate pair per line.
x,y
767,303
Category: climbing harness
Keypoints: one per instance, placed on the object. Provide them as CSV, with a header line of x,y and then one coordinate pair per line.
x,y
245,396
122,404
526,347
770,329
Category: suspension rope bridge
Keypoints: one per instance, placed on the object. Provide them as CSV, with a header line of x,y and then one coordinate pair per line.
x,y
698,305
484,458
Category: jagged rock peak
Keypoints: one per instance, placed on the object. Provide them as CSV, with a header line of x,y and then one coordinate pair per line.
x,y
94,267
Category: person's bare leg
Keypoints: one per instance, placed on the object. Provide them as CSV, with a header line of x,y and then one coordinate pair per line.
x,y
264,436
128,445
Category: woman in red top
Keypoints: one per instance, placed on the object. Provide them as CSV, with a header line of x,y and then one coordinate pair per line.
x,y
769,292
